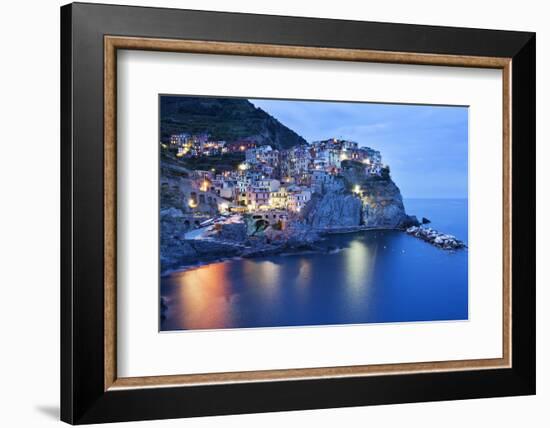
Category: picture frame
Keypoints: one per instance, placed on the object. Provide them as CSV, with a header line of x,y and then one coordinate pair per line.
x,y
91,391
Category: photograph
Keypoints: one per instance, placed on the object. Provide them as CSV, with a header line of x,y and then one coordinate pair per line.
x,y
289,212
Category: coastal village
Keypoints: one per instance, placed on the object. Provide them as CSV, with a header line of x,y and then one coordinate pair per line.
x,y
270,183
249,186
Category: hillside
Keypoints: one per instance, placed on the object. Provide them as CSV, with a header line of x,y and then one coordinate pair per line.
x,y
226,119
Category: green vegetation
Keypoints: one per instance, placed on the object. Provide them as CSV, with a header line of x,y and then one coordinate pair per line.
x,y
174,166
227,119
385,173
220,163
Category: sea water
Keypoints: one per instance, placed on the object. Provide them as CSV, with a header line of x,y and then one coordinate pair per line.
x,y
378,276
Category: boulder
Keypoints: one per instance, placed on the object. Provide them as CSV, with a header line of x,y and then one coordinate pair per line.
x,y
441,240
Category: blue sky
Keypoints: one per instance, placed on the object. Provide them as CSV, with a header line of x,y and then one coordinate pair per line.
x,y
425,146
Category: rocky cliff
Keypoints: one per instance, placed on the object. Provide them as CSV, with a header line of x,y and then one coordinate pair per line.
x,y
223,119
184,244
333,210
383,206
369,201
381,199
177,251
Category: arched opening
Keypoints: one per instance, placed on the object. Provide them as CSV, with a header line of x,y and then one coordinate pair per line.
x,y
261,225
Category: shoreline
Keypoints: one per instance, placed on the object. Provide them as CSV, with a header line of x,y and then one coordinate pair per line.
x,y
283,250
309,248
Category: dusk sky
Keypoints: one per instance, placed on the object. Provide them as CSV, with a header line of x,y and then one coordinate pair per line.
x,y
425,146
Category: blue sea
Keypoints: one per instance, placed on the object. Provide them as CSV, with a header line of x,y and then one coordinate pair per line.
x,y
367,277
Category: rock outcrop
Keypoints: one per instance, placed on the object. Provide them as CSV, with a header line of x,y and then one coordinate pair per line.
x,y
363,201
174,250
183,245
177,250
295,234
381,199
383,205
236,232
441,240
333,210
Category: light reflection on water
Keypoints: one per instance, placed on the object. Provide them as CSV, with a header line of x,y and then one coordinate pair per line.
x,y
204,298
376,276
303,279
360,261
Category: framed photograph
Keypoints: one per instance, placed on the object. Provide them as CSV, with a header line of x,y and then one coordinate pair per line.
x,y
265,213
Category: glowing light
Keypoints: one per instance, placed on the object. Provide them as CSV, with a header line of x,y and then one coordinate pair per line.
x,y
242,148
204,186
356,189
242,167
192,203
359,260
203,299
223,207
303,281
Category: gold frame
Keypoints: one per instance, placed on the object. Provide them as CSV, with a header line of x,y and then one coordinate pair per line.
x,y
113,43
